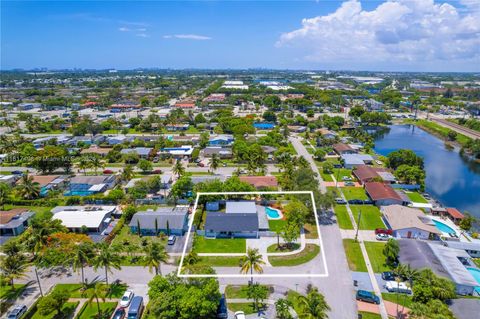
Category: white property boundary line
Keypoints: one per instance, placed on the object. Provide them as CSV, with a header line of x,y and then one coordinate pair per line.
x,y
322,250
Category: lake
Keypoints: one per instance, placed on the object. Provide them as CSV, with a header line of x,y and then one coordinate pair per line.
x,y
451,179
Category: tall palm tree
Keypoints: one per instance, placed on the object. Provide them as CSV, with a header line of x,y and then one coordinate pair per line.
x,y
94,294
96,163
313,305
178,168
82,255
214,162
282,308
84,163
253,261
106,258
127,173
28,189
14,267
155,254
4,194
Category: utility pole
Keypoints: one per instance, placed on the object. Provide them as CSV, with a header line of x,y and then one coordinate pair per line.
x,y
38,281
358,224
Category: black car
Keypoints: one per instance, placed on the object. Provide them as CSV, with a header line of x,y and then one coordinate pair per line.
x,y
222,311
355,201
388,276
119,313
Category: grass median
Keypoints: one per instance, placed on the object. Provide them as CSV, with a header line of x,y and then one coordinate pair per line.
x,y
355,259
306,255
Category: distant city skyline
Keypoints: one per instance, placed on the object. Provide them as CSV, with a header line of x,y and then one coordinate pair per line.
x,y
353,35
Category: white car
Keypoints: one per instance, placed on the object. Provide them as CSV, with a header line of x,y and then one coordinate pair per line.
x,y
383,237
126,298
239,315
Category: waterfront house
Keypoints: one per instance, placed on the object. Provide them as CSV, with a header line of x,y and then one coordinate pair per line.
x,y
365,173
408,222
382,194
353,160
341,148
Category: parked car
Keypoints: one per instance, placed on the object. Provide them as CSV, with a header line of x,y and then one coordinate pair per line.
x,y
17,312
107,171
17,173
200,164
388,276
349,184
340,201
240,315
126,298
383,231
400,287
356,202
383,237
172,239
222,310
157,171
367,296
136,308
367,202
119,313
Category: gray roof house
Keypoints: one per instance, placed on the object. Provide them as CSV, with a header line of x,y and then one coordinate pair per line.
x,y
142,152
14,222
237,225
221,152
168,220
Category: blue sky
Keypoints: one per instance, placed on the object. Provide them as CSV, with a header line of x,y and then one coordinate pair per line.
x,y
399,35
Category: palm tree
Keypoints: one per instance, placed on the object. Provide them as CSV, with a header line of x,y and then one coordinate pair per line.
x,y
14,267
107,258
28,189
127,173
313,305
390,251
84,163
98,291
96,163
155,254
82,254
253,261
178,168
214,162
282,308
4,194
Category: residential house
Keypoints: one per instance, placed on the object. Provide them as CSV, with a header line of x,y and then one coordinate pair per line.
x,y
221,152
177,127
207,178
409,222
50,182
185,104
264,126
297,128
88,185
353,160
341,148
13,222
117,139
454,214
10,180
383,195
365,173
142,152
184,151
93,218
221,140
261,182
167,220
42,141
96,150
471,248
86,140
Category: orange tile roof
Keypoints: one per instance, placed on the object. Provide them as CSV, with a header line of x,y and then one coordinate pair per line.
x,y
379,191
260,181
455,213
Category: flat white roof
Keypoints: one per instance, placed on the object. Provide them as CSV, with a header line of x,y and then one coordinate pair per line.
x,y
77,219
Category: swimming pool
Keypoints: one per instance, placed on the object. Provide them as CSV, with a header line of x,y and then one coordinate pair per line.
x,y
476,274
273,213
443,227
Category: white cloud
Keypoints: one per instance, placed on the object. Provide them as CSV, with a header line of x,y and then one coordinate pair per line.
x,y
142,35
405,31
139,32
187,37
123,29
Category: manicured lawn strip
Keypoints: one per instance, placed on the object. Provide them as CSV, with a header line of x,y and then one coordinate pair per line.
x,y
310,252
238,292
292,297
276,225
68,309
90,311
375,254
134,240
369,315
219,261
343,219
339,173
246,307
440,130
326,177
273,248
416,197
75,292
10,293
220,245
371,216
354,193
354,255
311,231
402,299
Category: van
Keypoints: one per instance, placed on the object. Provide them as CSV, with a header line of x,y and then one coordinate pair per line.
x,y
400,287
136,308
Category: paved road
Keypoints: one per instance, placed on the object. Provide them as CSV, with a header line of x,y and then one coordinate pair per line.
x,y
456,127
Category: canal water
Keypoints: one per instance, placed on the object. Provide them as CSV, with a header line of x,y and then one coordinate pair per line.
x,y
451,179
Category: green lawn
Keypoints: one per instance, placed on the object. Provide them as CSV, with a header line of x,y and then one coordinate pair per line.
x,y
90,312
354,193
343,219
416,197
9,293
354,255
75,292
375,254
237,292
219,261
311,231
276,225
369,315
126,238
292,297
339,173
247,307
325,177
283,248
402,298
310,252
40,211
476,261
371,216
220,245
67,309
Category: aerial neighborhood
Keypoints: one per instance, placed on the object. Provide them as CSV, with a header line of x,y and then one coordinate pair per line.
x,y
257,192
